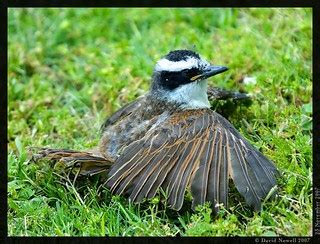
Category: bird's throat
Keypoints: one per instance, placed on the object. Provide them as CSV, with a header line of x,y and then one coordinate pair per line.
x,y
190,96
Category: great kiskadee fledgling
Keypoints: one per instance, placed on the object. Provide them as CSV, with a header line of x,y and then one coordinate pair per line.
x,y
170,138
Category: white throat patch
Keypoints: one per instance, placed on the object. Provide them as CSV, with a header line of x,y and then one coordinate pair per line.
x,y
191,96
191,62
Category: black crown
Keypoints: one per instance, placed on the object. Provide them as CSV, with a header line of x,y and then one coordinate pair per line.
x,y
178,55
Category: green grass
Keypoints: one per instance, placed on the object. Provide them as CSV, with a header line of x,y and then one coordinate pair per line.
x,y
70,68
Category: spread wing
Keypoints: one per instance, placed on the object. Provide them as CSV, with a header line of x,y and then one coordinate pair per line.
x,y
199,149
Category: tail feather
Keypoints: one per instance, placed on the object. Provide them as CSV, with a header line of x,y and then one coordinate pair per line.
x,y
87,163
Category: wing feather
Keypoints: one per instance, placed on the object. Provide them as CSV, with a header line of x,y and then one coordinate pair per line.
x,y
140,189
216,192
156,180
223,173
122,177
200,180
172,176
245,181
196,148
177,181
179,184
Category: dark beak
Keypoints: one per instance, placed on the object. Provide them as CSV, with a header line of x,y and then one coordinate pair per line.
x,y
210,71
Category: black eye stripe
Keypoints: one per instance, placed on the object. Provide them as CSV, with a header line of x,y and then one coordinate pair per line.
x,y
192,72
172,80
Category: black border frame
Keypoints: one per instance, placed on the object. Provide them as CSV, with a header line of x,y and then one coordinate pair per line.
x,y
4,5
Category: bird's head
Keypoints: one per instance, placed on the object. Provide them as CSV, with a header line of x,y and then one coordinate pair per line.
x,y
180,77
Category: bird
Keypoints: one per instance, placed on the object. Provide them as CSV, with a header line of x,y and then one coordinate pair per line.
x,y
170,139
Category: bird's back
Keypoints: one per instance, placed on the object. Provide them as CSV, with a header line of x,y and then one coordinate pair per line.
x,y
129,124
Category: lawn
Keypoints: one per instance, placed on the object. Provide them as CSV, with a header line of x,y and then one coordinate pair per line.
x,y
71,68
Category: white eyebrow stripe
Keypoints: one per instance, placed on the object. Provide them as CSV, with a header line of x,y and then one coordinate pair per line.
x,y
167,65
